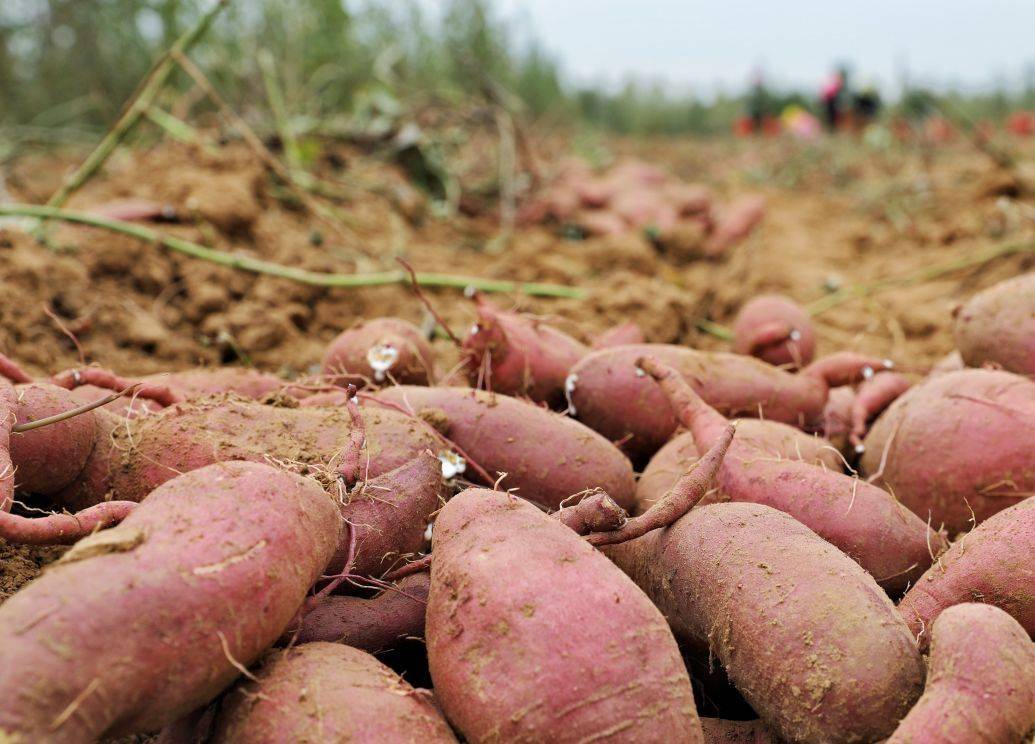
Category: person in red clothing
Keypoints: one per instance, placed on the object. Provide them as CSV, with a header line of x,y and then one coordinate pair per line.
x,y
832,97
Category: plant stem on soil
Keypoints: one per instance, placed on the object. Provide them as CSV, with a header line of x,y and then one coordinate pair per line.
x,y
303,276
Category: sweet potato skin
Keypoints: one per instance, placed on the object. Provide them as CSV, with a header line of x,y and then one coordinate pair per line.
x,y
991,564
215,587
998,326
389,514
33,452
376,624
834,665
189,435
719,731
610,396
957,447
980,681
547,457
327,692
515,657
348,357
780,440
764,328
520,356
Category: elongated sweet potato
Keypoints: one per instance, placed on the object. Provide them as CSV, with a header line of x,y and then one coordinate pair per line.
x,y
619,335
546,456
375,624
153,449
611,397
998,326
980,681
734,223
890,542
140,624
534,636
772,438
804,633
379,350
388,515
992,564
775,329
327,692
519,355
957,448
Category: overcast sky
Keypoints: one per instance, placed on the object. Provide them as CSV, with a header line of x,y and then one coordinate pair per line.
x,y
713,44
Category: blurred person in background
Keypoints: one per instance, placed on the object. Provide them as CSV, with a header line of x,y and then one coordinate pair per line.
x,y
832,98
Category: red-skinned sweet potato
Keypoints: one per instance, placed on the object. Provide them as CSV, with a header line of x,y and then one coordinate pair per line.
x,y
327,692
980,681
774,439
138,625
519,355
547,457
890,542
377,351
611,397
534,636
389,514
619,335
991,564
735,222
775,329
957,448
804,633
376,624
998,326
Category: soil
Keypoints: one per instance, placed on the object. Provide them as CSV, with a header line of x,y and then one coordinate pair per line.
x,y
839,212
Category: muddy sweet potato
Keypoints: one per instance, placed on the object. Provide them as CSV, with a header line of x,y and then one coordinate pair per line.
x,y
775,329
734,223
153,449
998,326
140,624
774,439
957,448
991,564
377,351
611,397
980,681
547,457
534,636
868,524
327,692
719,731
519,355
803,632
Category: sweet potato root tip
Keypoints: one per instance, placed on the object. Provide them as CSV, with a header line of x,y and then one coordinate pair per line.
x,y
62,529
597,512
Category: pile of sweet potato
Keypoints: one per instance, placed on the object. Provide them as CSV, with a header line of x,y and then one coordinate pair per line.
x,y
570,540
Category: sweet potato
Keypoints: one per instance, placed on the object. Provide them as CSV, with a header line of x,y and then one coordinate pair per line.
x,y
837,418
140,624
619,335
388,515
153,449
957,448
991,564
775,329
379,350
998,326
519,355
534,636
980,681
735,222
719,731
885,538
326,692
611,397
774,439
547,457
193,383
871,399
803,632
376,624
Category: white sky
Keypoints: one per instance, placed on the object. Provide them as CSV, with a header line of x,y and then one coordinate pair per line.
x,y
709,45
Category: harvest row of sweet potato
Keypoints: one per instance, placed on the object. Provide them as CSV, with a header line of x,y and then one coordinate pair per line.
x,y
246,548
